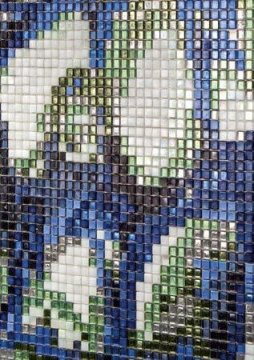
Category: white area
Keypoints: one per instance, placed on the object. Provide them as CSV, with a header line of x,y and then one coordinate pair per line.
x,y
32,73
152,272
236,110
249,352
109,250
72,275
153,115
84,346
83,155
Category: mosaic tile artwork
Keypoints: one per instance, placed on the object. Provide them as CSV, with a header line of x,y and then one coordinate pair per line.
x,y
127,179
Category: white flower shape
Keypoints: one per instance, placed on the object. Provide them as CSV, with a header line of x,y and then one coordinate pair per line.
x,y
72,275
153,115
32,73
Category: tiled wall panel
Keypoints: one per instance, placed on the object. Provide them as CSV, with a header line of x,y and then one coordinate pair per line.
x,y
126,179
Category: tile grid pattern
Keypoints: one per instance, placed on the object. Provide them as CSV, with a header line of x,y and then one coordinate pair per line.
x,y
126,185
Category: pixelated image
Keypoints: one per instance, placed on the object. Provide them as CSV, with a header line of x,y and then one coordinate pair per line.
x,y
127,179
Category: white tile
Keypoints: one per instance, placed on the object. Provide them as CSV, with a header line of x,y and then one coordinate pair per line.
x,y
249,352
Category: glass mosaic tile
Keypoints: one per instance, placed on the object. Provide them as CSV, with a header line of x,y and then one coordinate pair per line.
x,y
127,179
